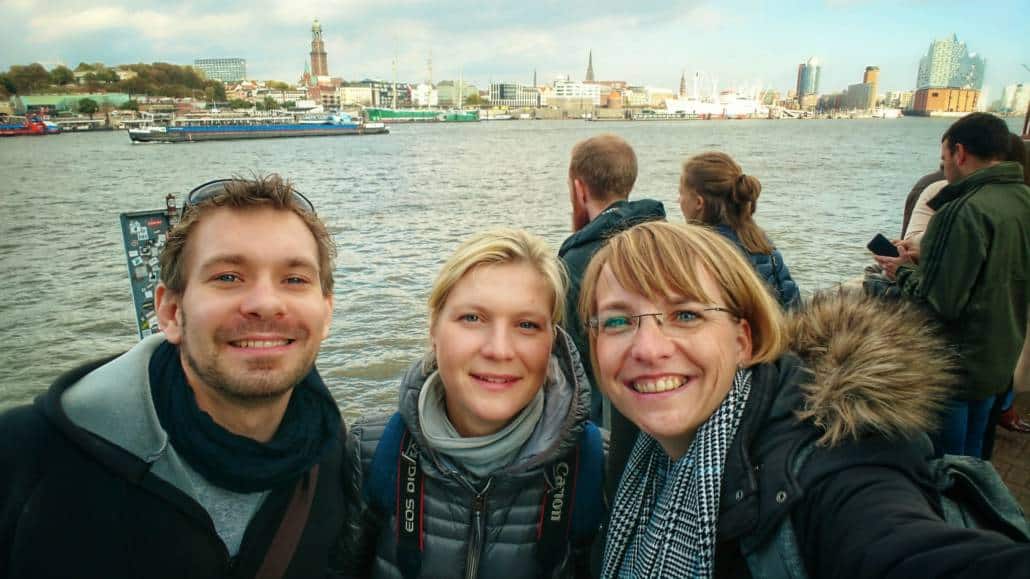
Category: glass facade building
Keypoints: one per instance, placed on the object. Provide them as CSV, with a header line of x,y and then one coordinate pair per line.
x,y
509,94
223,69
948,64
808,77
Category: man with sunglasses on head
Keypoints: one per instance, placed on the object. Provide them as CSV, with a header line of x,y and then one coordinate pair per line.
x,y
213,449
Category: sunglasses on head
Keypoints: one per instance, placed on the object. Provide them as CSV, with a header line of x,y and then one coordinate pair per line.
x,y
212,189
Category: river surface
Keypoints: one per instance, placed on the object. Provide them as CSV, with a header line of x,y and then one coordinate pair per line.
x,y
398,205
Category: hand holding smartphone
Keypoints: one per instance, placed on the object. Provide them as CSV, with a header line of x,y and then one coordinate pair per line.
x,y
880,245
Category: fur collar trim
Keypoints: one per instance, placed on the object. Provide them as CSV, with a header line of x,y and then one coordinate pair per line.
x,y
874,366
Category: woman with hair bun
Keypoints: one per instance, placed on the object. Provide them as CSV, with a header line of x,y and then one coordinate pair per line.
x,y
714,191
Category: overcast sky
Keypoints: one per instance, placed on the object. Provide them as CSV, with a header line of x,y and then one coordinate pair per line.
x,y
741,43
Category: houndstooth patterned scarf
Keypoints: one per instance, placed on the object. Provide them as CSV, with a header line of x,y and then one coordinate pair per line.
x,y
664,515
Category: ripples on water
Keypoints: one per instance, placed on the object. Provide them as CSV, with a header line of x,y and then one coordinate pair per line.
x,y
397,206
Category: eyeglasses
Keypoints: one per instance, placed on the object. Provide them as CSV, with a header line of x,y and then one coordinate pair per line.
x,y
212,189
676,323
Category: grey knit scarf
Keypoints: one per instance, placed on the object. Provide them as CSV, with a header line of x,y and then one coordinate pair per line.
x,y
480,455
664,516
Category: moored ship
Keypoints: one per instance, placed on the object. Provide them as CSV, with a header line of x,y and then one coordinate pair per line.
x,y
13,126
225,129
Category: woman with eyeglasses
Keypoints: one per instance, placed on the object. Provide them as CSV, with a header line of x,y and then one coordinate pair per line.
x,y
756,462
715,191
489,468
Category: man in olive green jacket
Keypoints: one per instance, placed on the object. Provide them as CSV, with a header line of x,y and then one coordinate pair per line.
x,y
973,271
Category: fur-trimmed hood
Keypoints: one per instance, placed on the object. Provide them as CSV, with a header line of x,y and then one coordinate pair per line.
x,y
874,366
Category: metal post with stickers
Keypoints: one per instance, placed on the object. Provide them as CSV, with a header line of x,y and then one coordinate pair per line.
x,y
144,234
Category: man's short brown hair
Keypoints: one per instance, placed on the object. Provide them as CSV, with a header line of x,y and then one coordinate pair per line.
x,y
606,164
268,192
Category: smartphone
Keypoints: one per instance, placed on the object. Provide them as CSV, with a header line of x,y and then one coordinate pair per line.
x,y
880,245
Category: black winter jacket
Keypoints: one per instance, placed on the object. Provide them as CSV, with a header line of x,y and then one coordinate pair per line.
x,y
73,504
864,505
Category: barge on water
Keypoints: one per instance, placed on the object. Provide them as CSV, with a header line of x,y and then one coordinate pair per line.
x,y
225,129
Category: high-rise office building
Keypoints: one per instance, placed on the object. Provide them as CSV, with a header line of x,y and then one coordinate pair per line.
x,y
808,77
223,69
949,64
1015,98
319,63
871,77
860,96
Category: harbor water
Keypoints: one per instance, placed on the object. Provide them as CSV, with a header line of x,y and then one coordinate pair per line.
x,y
397,205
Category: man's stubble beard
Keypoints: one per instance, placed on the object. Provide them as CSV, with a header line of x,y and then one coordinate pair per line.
x,y
248,388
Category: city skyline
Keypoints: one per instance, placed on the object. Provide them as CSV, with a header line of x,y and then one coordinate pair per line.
x,y
742,44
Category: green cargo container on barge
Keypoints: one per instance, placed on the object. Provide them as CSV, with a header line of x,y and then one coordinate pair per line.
x,y
384,115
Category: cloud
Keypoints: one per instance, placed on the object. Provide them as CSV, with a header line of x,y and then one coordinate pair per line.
x,y
641,41
147,24
49,28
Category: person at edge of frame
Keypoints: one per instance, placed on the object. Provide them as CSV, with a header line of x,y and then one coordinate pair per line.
x,y
775,447
213,449
972,270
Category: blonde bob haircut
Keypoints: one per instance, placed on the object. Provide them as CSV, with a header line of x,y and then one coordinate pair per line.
x,y
501,246
659,260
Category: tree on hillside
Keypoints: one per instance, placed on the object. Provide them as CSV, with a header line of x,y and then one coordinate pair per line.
x,y
28,79
474,100
129,105
108,75
278,85
214,92
89,107
89,80
266,104
105,75
61,75
7,87
239,104
136,85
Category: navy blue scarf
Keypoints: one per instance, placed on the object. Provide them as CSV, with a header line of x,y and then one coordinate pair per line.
x,y
308,431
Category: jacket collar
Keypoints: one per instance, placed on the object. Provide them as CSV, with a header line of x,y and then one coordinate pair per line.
x,y
614,218
103,408
1004,172
114,403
